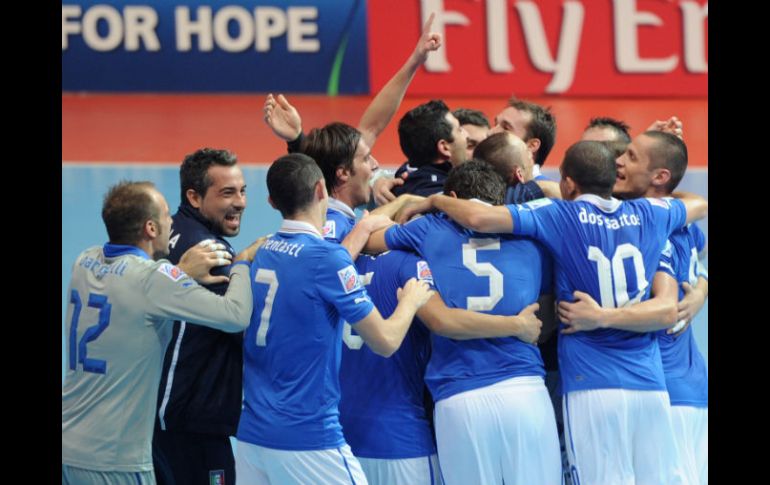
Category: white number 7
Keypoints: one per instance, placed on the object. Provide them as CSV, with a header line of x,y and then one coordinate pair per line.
x,y
266,276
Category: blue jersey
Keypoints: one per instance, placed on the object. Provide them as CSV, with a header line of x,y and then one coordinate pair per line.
x,y
340,220
683,364
381,410
303,287
497,274
610,250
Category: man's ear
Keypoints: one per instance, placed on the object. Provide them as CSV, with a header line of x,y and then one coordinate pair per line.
x,y
533,144
661,177
442,146
320,190
518,174
194,198
342,174
150,229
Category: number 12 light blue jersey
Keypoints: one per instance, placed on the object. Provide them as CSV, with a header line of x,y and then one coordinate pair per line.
x,y
610,250
303,289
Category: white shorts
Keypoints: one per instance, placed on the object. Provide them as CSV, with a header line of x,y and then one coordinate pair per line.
x,y
404,471
71,475
620,437
257,465
691,431
502,433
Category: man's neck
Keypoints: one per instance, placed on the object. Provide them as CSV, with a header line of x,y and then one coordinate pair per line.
x,y
312,217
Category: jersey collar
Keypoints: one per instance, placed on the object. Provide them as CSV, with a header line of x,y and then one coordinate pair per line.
x,y
294,227
115,250
339,206
605,205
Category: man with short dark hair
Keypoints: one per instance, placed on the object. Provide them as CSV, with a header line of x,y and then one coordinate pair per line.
x,y
433,142
123,298
612,376
604,128
304,287
199,399
494,420
652,167
534,124
476,126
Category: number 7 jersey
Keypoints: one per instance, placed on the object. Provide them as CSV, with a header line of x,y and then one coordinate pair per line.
x,y
609,249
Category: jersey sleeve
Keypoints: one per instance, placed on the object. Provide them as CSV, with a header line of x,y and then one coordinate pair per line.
x,y
409,236
672,211
529,218
172,294
338,283
666,263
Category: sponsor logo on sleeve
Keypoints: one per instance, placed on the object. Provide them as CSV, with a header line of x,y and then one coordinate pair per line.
x,y
349,278
330,229
171,271
423,272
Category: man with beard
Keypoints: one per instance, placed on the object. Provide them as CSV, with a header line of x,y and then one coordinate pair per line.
x,y
199,399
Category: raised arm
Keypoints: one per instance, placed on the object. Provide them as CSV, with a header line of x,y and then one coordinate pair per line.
x,y
386,103
657,313
461,324
384,336
282,118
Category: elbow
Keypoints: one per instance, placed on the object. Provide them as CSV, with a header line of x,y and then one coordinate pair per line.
x,y
384,349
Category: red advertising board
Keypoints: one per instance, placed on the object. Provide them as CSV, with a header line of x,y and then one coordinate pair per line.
x,y
626,48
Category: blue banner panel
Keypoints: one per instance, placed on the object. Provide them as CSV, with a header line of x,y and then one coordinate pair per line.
x,y
291,46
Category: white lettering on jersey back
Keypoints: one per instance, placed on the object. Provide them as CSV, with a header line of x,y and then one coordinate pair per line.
x,y
608,222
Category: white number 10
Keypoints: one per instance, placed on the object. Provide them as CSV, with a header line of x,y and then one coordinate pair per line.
x,y
613,286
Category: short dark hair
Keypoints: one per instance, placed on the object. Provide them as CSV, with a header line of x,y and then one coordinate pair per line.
x,y
591,165
497,151
420,130
620,128
668,152
617,147
332,146
127,206
542,126
194,171
291,181
476,180
471,117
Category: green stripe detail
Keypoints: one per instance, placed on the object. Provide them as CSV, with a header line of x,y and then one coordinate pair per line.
x,y
333,87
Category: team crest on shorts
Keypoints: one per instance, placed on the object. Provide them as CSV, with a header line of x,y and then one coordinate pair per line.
x,y
171,271
349,278
329,229
216,477
423,272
